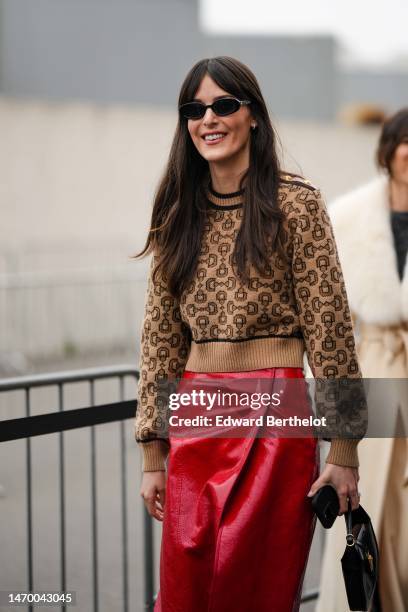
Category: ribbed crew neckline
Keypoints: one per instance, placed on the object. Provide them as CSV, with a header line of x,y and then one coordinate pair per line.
x,y
224,200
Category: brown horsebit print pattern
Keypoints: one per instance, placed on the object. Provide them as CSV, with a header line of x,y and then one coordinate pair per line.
x,y
219,324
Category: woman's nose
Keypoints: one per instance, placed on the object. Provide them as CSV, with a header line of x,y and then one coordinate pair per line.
x,y
209,116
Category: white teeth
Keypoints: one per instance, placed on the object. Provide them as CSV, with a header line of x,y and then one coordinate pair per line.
x,y
213,136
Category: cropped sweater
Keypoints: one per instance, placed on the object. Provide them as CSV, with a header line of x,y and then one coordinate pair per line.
x,y
221,325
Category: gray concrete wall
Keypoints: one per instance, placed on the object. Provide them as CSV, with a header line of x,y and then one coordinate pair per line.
x,y
296,74
387,89
99,50
139,52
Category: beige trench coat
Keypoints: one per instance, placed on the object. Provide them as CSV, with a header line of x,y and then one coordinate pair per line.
x,y
379,304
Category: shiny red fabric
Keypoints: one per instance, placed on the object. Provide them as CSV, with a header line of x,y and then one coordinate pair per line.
x,y
237,525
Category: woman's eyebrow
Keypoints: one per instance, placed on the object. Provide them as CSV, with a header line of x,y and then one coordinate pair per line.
x,y
216,98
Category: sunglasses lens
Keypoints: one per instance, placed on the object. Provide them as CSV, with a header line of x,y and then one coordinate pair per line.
x,y
226,106
193,110
221,107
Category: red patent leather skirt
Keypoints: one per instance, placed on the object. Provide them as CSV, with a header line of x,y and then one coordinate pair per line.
x,y
237,526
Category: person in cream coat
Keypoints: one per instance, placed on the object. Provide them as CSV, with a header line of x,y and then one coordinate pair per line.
x,y
371,230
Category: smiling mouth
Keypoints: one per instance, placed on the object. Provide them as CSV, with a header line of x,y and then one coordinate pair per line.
x,y
214,138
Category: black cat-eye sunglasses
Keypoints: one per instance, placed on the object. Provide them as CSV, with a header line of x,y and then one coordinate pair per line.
x,y
221,107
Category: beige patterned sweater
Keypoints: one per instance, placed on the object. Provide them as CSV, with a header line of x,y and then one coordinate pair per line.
x,y
219,325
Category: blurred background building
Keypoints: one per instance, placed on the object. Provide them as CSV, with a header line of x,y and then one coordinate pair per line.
x,y
138,51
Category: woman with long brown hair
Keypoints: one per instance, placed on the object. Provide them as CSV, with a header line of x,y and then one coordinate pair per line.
x,y
374,255
244,278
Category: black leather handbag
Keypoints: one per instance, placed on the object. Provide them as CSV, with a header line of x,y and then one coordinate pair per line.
x,y
360,560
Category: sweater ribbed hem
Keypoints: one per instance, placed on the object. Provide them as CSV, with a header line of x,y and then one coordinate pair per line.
x,y
252,354
154,455
343,452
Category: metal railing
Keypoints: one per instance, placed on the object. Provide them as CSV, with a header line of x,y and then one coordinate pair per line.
x,y
64,420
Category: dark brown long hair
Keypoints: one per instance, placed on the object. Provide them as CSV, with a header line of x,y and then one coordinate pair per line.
x,y
394,131
179,206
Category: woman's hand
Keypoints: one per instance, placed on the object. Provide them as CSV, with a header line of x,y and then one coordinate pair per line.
x,y
153,491
345,481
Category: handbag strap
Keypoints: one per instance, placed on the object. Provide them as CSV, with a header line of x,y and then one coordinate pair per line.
x,y
350,539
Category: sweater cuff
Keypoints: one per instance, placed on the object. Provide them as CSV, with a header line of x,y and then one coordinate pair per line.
x,y
154,455
343,452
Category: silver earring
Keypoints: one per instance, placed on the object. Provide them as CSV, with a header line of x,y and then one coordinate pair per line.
x,y
253,127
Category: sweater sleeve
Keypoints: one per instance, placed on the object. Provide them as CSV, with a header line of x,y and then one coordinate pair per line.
x,y
325,320
164,348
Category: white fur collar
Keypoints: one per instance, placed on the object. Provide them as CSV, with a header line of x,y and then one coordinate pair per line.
x,y
362,228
